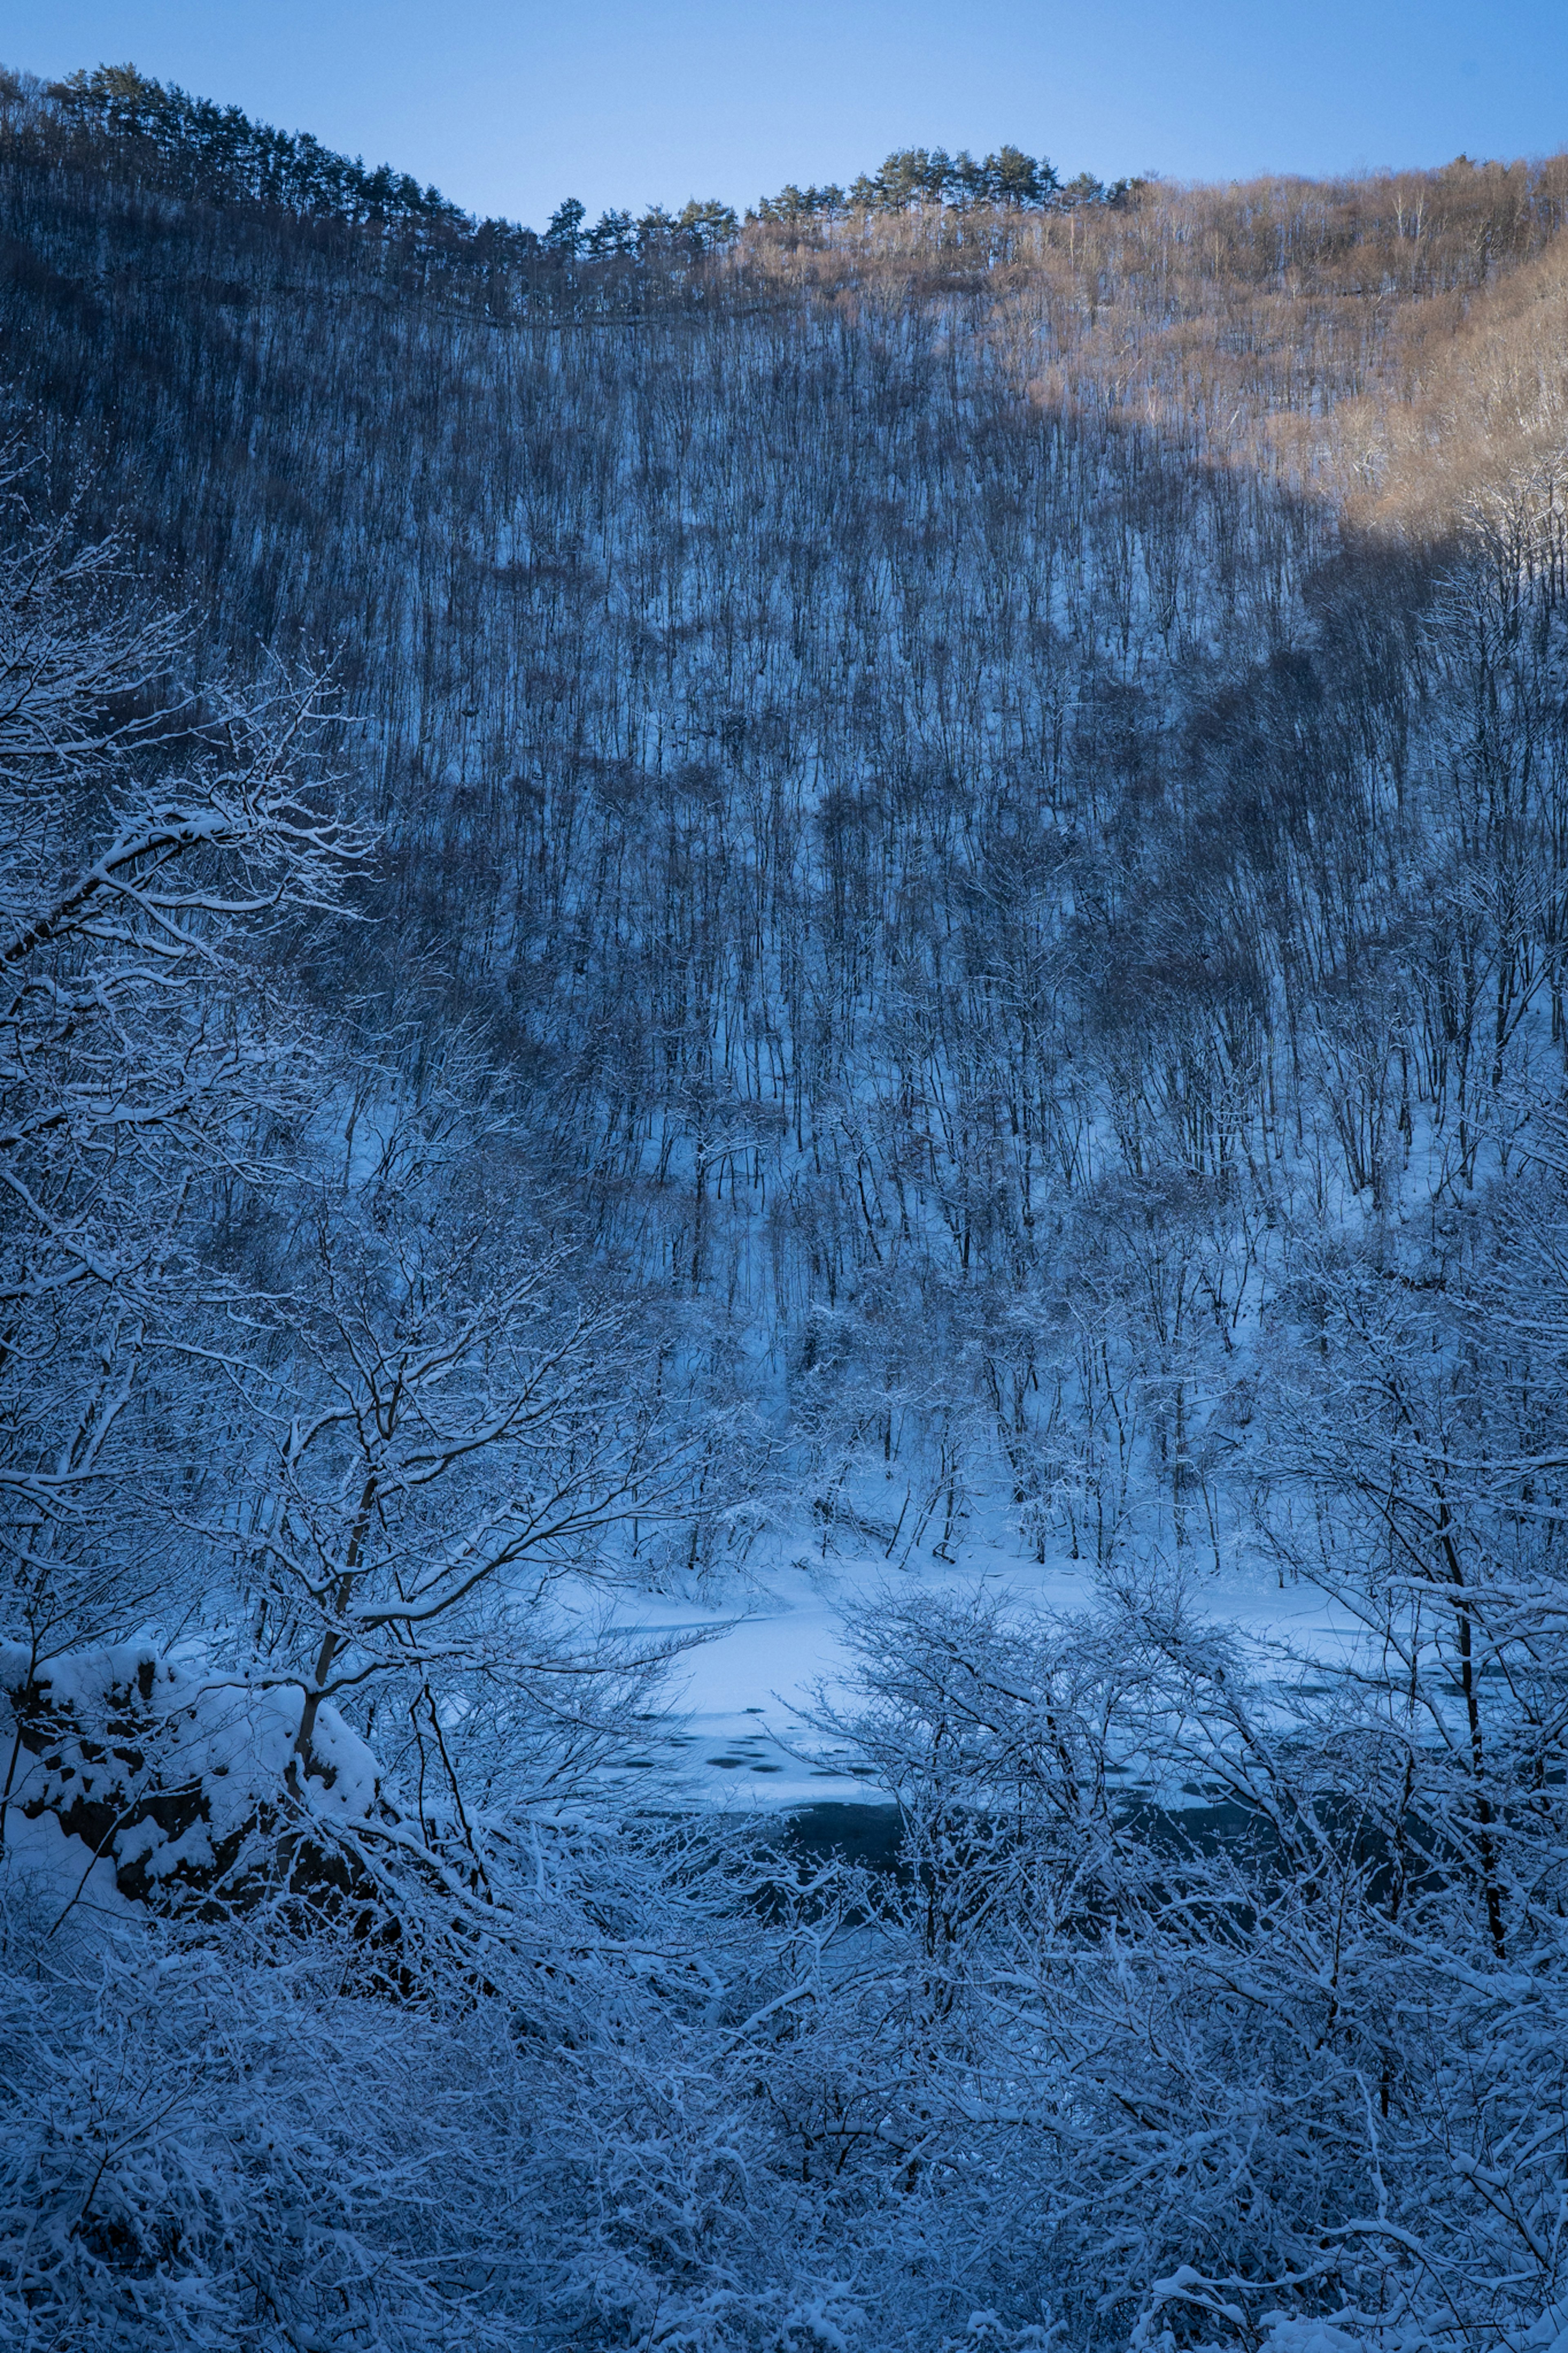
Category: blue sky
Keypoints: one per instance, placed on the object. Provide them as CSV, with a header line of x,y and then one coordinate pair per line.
x,y
511,105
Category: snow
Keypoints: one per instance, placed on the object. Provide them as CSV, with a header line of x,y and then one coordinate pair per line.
x,y
124,1724
740,1732
60,1874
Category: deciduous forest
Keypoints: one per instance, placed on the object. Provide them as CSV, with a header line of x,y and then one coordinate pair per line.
x,y
687,896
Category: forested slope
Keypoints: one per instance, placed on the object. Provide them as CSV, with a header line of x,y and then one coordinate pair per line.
x,y
929,876
788,703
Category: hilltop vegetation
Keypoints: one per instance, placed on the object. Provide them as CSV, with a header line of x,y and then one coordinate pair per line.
x,y
693,888
158,136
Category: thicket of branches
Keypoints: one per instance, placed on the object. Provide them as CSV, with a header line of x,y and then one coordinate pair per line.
x,y
930,880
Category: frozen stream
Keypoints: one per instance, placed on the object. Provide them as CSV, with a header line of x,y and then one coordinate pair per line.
x,y
739,1733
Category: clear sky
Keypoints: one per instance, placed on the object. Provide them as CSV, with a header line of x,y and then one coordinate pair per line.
x,y
511,105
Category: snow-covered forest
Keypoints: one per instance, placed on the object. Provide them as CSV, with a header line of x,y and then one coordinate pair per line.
x,y
857,919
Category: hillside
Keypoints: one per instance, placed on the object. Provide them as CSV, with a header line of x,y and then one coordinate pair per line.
x,y
884,889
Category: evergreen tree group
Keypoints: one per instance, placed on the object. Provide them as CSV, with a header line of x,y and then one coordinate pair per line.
x,y
195,148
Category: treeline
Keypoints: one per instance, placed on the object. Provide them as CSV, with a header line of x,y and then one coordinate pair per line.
x,y
155,135
156,132
158,135
911,177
